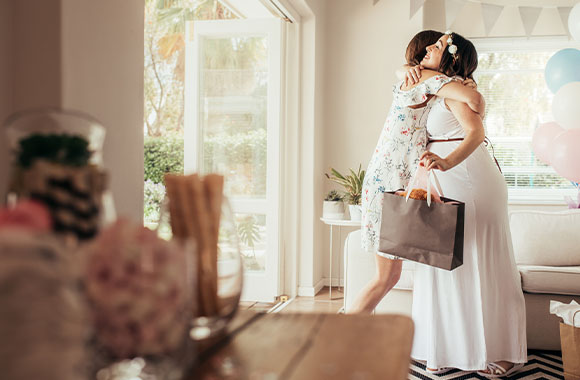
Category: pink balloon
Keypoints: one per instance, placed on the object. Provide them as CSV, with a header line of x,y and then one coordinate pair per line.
x,y
566,154
543,138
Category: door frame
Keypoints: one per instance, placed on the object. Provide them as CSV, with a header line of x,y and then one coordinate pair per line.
x,y
264,286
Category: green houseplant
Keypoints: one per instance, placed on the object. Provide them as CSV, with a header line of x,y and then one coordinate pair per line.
x,y
333,206
352,183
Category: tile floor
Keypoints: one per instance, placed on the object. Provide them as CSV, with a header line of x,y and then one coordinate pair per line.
x,y
321,303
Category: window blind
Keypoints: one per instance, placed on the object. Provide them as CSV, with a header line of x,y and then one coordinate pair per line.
x,y
517,101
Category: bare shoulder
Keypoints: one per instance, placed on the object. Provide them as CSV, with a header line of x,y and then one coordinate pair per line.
x,y
458,107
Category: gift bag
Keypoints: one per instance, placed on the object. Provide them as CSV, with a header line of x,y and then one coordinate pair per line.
x,y
570,340
423,231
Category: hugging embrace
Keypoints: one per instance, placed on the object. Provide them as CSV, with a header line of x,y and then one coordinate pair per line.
x,y
471,318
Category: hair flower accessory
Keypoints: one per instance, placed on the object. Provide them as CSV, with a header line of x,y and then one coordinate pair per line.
x,y
450,47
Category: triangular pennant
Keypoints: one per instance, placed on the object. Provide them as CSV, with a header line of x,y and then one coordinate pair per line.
x,y
415,6
452,9
529,16
490,14
564,13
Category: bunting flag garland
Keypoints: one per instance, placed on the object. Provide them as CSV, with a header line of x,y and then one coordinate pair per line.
x,y
452,9
415,6
490,14
529,16
564,13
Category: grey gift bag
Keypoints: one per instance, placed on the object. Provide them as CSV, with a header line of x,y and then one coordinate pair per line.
x,y
430,234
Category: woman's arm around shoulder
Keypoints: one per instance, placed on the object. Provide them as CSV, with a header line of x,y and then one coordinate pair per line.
x,y
455,90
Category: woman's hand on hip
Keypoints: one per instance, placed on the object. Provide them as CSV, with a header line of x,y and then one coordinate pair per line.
x,y
430,160
413,75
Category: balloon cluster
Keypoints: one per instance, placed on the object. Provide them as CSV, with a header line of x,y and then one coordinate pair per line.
x,y
558,143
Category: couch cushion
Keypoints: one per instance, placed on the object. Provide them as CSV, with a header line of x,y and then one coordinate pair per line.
x,y
546,238
550,280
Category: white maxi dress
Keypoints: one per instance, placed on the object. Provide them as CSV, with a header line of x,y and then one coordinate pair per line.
x,y
475,314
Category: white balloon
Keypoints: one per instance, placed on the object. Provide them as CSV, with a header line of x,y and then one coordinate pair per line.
x,y
566,105
574,22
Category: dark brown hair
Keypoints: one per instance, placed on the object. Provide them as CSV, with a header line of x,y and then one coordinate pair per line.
x,y
465,62
417,47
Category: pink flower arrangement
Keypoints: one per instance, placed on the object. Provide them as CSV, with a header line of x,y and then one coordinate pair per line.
x,y
140,290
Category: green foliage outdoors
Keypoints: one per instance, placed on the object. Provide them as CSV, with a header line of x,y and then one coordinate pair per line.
x,y
245,152
62,149
163,155
154,194
249,232
165,22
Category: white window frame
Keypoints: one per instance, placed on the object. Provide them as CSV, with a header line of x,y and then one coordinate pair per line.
x,y
263,287
530,196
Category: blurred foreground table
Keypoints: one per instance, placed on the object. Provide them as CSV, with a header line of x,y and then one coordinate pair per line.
x,y
309,346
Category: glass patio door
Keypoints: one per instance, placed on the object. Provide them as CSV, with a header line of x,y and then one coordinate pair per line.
x,y
232,127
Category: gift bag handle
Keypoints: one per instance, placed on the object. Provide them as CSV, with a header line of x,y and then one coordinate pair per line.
x,y
431,177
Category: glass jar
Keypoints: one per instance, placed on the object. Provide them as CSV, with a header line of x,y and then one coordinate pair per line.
x,y
229,274
58,160
45,121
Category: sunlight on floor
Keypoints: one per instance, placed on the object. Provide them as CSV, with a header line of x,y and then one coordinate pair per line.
x,y
321,303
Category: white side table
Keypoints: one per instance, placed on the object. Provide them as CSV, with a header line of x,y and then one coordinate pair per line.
x,y
340,223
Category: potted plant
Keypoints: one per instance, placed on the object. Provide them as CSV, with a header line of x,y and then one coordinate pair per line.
x,y
333,206
352,183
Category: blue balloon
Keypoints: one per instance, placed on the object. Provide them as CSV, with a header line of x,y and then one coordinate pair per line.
x,y
563,67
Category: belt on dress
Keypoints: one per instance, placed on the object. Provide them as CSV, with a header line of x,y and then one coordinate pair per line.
x,y
486,141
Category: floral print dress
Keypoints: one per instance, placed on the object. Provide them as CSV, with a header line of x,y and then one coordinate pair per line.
x,y
401,143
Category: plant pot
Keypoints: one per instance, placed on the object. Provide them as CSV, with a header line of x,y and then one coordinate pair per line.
x,y
355,212
333,210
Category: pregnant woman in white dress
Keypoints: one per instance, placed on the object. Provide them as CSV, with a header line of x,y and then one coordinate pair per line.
x,y
471,318
396,156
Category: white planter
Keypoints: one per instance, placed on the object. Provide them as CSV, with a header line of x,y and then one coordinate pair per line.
x,y
355,212
333,210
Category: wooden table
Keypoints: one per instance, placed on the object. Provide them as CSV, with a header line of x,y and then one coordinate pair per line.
x,y
309,346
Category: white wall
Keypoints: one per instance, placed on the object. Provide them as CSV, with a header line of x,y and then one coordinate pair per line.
x,y
86,55
365,45
36,69
5,85
30,71
102,63
311,151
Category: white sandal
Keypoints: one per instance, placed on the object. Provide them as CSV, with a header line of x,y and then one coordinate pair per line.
x,y
495,370
439,371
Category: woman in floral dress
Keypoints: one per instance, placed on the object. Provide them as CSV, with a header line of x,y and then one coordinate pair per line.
x,y
396,156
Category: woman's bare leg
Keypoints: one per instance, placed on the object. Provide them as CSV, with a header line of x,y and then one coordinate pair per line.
x,y
387,275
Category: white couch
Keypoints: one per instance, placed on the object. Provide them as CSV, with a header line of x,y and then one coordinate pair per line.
x,y
547,252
